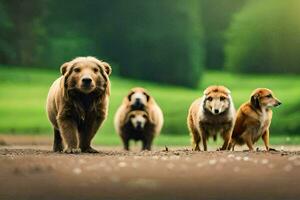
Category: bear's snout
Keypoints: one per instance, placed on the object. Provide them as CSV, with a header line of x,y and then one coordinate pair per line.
x,y
86,81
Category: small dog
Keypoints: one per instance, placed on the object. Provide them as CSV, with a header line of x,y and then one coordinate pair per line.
x,y
138,99
211,114
138,126
254,118
139,118
77,104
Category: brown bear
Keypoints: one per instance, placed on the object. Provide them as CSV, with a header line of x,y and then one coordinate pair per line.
x,y
139,99
77,104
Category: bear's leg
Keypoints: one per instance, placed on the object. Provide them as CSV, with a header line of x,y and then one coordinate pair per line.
x,y
57,144
69,133
88,132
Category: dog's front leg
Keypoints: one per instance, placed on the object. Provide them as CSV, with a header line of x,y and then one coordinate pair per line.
x,y
266,136
226,137
204,135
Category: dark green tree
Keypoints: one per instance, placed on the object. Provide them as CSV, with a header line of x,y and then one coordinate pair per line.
x,y
265,37
216,17
6,50
157,40
26,33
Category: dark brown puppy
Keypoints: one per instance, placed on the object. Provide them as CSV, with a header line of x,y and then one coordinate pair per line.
x,y
254,119
77,103
138,126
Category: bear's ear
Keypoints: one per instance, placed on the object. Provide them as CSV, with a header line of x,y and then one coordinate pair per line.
x,y
64,68
107,68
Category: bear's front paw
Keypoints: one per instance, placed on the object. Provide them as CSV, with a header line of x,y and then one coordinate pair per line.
x,y
90,150
72,150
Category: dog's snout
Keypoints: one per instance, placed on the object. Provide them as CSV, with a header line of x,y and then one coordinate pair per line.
x,y
138,100
278,103
216,111
86,81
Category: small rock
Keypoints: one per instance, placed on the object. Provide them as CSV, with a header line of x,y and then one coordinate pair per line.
x,y
200,165
77,171
212,162
236,169
264,161
288,168
230,156
122,164
238,158
170,166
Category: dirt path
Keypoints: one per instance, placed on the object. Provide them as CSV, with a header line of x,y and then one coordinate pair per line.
x,y
34,172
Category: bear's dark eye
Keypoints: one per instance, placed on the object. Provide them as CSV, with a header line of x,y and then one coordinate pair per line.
x,y
96,70
132,116
209,98
222,98
76,70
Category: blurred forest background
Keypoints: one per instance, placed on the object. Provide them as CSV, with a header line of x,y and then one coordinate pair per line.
x,y
174,48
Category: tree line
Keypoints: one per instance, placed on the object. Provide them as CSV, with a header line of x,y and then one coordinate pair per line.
x,y
167,41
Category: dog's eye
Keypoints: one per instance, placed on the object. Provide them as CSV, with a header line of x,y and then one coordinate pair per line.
x,y
76,70
96,70
222,98
144,116
269,96
209,98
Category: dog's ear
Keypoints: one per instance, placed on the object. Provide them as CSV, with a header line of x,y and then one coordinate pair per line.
x,y
129,95
255,100
207,91
64,68
227,91
150,116
147,96
107,68
128,116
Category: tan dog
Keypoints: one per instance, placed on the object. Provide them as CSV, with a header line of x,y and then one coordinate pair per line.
x,y
211,114
139,99
254,118
138,126
77,103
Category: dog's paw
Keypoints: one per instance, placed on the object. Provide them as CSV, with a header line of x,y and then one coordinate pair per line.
x,y
90,150
72,150
221,149
271,149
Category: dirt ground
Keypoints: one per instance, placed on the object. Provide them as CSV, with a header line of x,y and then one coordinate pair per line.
x,y
32,171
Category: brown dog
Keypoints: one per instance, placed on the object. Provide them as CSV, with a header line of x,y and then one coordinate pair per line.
x,y
211,114
139,99
137,126
254,118
77,103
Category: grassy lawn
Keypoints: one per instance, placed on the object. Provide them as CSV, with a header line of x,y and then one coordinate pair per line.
x,y
23,94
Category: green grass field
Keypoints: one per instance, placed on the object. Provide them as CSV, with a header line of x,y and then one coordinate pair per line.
x,y
23,94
